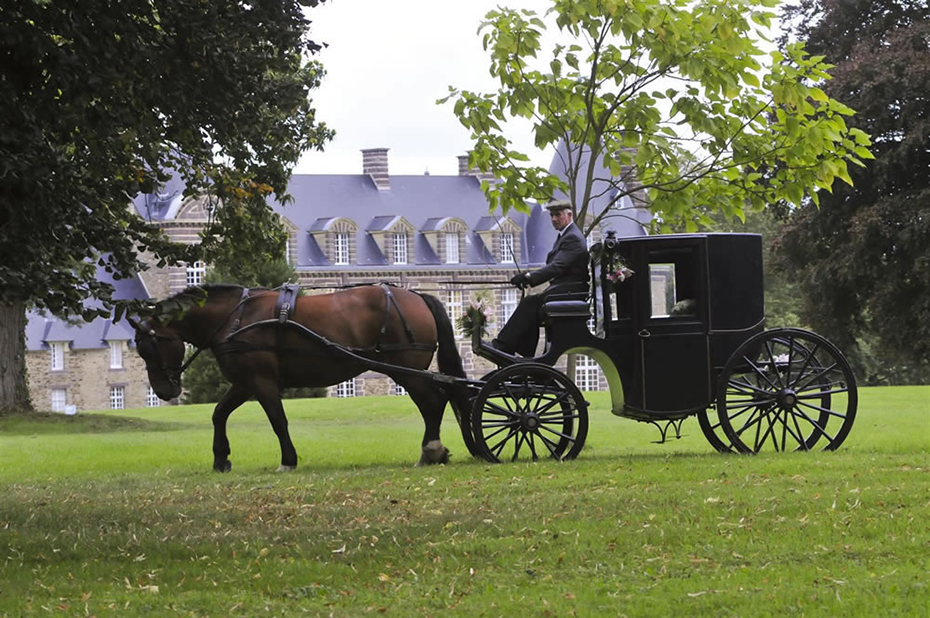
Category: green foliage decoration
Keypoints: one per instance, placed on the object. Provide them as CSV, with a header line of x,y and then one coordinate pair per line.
x,y
676,99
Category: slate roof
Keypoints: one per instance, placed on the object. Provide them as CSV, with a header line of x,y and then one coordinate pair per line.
x,y
418,199
42,329
163,205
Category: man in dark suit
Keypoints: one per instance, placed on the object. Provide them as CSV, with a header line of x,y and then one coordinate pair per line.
x,y
566,270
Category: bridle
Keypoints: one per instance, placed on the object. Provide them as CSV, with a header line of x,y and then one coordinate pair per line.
x,y
172,374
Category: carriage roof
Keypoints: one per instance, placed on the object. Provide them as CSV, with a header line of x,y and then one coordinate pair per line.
x,y
722,272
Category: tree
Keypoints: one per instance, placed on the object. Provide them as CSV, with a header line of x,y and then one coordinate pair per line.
x,y
863,259
674,98
102,100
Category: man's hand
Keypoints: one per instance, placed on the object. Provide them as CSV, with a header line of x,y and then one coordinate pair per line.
x,y
520,280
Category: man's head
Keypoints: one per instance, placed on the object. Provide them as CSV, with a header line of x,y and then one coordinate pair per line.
x,y
560,213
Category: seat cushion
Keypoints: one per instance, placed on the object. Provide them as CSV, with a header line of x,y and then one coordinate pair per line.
x,y
566,309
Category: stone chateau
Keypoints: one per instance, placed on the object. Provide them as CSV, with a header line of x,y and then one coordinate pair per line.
x,y
424,232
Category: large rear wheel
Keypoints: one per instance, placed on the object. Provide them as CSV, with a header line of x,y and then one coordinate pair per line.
x,y
786,389
528,411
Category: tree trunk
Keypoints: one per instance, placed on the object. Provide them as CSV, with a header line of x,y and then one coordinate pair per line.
x,y
14,389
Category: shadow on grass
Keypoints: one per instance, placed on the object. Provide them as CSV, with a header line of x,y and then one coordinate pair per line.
x,y
50,423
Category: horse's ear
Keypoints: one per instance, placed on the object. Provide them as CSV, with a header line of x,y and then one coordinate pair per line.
x,y
132,322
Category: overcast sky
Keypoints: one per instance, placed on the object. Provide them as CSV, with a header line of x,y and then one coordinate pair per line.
x,y
387,63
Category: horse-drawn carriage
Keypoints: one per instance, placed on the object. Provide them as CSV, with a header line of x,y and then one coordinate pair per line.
x,y
683,336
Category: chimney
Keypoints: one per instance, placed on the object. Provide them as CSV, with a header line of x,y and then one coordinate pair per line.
x,y
375,164
464,170
463,166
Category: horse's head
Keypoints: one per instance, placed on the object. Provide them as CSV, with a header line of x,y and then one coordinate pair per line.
x,y
163,352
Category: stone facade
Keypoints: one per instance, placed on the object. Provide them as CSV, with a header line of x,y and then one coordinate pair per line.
x,y
87,379
427,210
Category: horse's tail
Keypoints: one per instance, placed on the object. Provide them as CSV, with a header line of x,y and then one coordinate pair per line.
x,y
450,363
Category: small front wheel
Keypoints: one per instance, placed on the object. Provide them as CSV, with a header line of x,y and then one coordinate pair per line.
x,y
529,410
786,389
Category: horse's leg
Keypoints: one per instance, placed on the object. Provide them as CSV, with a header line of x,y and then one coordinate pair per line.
x,y
270,399
431,401
234,397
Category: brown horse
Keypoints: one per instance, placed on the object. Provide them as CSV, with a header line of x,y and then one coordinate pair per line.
x,y
266,340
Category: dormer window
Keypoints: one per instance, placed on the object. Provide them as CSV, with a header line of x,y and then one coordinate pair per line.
x,y
507,256
452,247
400,248
341,248
446,238
335,237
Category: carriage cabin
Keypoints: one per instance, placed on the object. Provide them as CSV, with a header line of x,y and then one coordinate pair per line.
x,y
691,301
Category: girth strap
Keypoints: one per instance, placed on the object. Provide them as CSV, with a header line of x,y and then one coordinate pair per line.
x,y
287,301
389,301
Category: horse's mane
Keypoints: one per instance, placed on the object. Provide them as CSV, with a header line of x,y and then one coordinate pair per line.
x,y
201,291
179,303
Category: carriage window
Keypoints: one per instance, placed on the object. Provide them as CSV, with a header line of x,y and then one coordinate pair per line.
x,y
661,289
672,284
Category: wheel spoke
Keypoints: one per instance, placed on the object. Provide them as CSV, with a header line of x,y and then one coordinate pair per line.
x,y
760,372
541,396
490,424
552,446
562,396
773,364
516,449
817,394
558,419
821,371
532,445
502,428
811,355
558,433
815,424
822,410
749,389
802,444
492,408
748,403
497,448
753,419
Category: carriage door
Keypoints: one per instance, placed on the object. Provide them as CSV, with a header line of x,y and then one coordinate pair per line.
x,y
673,336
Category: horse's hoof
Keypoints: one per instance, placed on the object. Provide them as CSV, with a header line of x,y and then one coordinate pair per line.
x,y
283,468
434,453
225,466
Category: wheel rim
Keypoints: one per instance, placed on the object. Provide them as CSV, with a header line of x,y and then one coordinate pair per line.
x,y
529,412
713,431
786,389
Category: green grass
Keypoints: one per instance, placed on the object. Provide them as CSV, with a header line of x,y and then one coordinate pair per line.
x,y
119,514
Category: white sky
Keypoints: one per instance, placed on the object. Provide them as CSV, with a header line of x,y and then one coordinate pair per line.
x,y
387,62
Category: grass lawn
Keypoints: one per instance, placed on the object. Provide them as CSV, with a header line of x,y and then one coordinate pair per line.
x,y
116,514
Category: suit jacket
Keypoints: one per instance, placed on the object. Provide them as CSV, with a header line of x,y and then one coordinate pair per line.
x,y
567,262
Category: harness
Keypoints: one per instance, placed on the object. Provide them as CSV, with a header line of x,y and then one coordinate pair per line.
x,y
283,320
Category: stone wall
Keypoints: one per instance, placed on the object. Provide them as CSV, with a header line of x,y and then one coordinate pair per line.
x,y
87,378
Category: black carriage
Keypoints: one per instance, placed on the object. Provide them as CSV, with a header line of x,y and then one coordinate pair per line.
x,y
683,336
